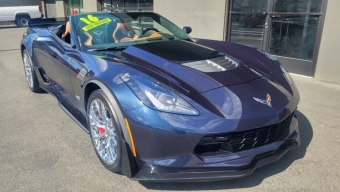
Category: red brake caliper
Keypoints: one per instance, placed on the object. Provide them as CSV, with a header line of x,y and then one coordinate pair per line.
x,y
101,130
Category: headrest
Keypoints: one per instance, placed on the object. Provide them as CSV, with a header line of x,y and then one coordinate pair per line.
x,y
124,18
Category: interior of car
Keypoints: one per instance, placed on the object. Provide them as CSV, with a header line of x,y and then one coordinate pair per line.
x,y
139,29
61,31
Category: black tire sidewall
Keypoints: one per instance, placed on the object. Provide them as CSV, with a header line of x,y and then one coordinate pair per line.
x,y
99,94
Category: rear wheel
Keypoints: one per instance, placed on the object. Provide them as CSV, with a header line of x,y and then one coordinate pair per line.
x,y
22,20
104,131
31,77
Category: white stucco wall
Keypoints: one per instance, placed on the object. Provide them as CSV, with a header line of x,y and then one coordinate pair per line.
x,y
205,17
328,64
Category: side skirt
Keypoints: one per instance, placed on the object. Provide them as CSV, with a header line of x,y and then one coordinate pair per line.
x,y
72,117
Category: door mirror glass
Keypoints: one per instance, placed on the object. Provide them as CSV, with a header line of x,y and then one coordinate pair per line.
x,y
187,30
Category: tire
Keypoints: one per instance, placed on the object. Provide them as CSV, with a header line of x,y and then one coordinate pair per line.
x,y
242,23
22,20
105,131
30,74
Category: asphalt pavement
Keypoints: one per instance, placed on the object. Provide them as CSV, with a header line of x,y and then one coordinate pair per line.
x,y
42,149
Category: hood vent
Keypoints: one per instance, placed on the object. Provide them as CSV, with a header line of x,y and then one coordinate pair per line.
x,y
213,65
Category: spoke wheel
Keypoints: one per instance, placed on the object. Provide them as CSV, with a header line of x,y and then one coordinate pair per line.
x,y
104,131
28,70
30,75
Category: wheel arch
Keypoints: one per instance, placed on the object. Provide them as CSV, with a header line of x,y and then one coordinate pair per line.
x,y
129,165
22,48
22,14
95,84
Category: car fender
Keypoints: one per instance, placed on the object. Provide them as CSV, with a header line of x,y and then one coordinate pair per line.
x,y
114,107
29,37
129,165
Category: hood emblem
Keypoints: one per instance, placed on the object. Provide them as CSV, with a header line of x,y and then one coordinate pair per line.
x,y
266,102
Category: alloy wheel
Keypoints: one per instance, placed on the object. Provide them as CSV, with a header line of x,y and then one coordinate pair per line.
x,y
103,131
28,70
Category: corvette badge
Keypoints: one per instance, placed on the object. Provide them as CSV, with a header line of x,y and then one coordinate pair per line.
x,y
266,102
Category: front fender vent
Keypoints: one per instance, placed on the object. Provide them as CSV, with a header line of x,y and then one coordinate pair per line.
x,y
213,65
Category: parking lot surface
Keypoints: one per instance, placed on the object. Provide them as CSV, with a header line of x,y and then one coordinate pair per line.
x,y
42,149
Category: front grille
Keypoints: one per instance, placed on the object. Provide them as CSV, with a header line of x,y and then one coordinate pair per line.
x,y
243,140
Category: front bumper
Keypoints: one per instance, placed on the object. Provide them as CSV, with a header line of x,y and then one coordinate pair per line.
x,y
221,167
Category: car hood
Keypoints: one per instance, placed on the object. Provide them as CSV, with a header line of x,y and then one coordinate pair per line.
x,y
236,93
192,66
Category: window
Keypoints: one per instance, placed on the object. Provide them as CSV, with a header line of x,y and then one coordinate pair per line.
x,y
249,5
113,5
294,36
297,6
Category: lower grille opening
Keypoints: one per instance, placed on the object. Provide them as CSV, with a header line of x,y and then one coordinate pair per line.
x,y
213,149
239,141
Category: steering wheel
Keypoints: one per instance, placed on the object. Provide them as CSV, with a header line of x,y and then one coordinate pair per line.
x,y
149,29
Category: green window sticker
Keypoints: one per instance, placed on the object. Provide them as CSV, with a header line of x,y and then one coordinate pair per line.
x,y
94,24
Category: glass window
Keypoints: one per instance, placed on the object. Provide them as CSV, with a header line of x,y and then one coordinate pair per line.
x,y
249,5
297,6
103,30
75,3
146,3
117,3
131,3
248,29
294,36
106,5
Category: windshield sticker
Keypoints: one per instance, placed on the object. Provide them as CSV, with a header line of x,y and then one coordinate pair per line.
x,y
96,24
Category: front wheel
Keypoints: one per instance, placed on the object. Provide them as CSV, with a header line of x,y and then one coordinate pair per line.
x,y
104,131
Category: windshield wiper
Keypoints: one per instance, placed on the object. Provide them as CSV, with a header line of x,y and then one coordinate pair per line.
x,y
107,49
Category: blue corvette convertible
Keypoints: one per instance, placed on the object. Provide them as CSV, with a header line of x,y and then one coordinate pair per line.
x,y
159,105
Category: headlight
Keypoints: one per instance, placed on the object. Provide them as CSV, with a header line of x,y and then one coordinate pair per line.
x,y
156,96
277,62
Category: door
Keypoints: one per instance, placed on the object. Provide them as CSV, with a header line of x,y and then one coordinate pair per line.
x,y
52,58
288,29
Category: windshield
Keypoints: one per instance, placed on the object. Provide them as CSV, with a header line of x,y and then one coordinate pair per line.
x,y
118,30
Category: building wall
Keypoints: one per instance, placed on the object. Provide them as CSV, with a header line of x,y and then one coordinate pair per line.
x,y
51,8
91,5
60,8
206,18
328,65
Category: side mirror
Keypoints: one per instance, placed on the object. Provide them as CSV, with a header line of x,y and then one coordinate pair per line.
x,y
187,30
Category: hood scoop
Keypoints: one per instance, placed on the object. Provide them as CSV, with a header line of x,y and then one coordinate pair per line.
x,y
213,65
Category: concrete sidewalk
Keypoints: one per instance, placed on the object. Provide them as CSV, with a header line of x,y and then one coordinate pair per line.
x,y
42,149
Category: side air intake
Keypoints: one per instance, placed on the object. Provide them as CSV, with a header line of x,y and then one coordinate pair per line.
x,y
213,65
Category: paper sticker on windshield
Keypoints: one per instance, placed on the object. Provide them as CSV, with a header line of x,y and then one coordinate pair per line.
x,y
96,24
